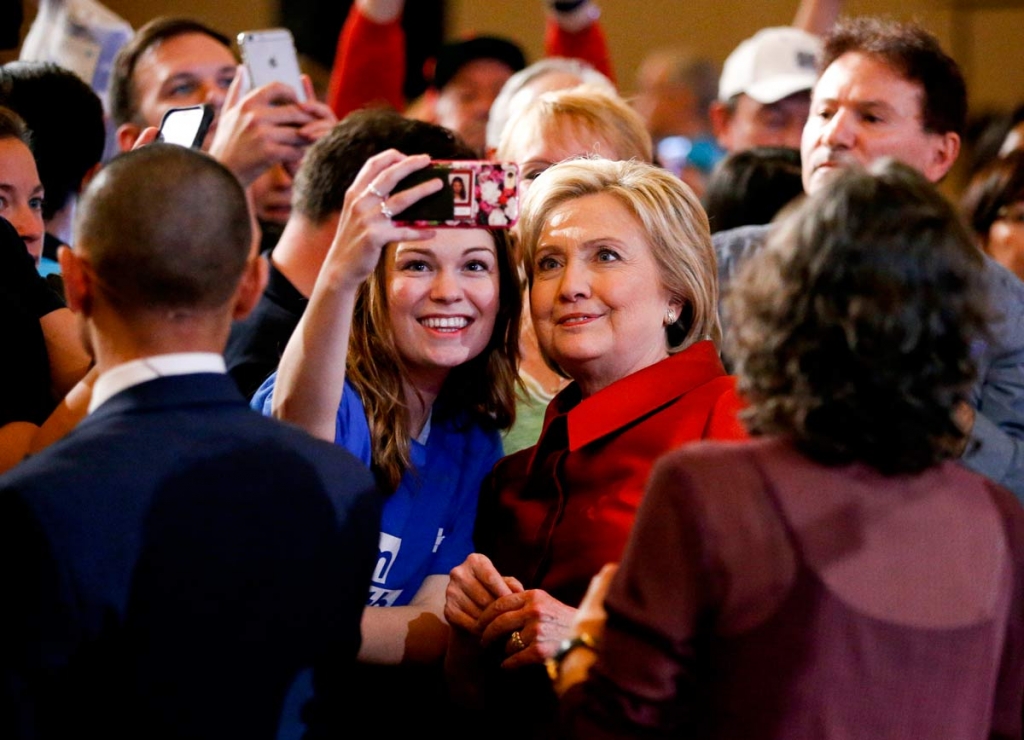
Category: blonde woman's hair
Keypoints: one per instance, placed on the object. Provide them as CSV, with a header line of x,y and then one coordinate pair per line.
x,y
669,213
481,390
588,109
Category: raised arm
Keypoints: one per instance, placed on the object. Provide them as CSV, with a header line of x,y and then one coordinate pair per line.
x,y
266,126
369,65
311,375
573,31
817,16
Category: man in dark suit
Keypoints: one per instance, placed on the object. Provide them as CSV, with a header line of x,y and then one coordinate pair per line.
x,y
171,567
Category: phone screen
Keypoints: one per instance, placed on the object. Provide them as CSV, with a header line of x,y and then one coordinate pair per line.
x,y
185,126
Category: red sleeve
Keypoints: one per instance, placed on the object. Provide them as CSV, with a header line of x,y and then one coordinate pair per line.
x,y
369,66
724,421
589,45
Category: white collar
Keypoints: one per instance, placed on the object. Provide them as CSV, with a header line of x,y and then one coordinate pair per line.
x,y
124,376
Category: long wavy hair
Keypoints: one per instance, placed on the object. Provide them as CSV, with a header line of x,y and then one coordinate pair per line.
x,y
481,390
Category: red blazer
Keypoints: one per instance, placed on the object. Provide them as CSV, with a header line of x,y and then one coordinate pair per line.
x,y
553,514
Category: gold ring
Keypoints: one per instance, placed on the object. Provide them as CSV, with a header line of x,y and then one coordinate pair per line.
x,y
517,641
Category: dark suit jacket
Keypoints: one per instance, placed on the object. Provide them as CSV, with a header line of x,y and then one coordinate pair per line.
x,y
171,566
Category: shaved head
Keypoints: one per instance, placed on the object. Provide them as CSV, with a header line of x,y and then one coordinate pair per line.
x,y
165,227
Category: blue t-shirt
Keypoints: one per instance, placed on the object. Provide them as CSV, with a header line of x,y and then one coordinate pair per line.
x,y
427,523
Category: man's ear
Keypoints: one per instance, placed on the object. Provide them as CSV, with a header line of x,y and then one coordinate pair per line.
x,y
78,285
721,118
250,288
126,135
87,177
947,149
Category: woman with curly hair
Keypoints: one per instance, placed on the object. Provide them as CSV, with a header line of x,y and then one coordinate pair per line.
x,y
840,577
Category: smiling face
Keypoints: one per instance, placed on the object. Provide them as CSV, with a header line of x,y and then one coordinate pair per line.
x,y
188,69
598,303
443,296
21,194
863,110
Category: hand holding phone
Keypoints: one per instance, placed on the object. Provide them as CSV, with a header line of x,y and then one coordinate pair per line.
x,y
476,194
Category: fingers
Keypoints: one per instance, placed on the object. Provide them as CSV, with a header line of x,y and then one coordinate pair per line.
x,y
534,613
237,88
472,587
148,136
378,180
316,130
307,87
534,642
593,601
514,584
385,170
274,93
534,652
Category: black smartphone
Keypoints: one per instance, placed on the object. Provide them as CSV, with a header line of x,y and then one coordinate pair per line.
x,y
269,55
475,194
186,126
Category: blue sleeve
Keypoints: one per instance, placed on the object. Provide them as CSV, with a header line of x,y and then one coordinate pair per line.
x,y
996,449
264,395
350,429
483,451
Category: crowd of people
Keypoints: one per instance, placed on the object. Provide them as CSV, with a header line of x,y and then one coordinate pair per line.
x,y
723,437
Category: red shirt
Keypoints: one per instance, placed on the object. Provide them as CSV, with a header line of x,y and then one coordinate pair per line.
x,y
369,64
553,514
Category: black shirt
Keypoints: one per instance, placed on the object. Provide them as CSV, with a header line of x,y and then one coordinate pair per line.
x,y
25,297
256,342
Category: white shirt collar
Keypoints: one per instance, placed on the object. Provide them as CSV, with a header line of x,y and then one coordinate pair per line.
x,y
124,376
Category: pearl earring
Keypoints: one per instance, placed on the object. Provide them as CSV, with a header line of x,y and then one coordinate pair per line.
x,y
670,317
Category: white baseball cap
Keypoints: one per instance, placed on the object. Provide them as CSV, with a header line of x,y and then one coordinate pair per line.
x,y
772,64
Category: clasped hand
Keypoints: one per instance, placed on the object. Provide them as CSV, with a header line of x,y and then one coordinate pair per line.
x,y
496,609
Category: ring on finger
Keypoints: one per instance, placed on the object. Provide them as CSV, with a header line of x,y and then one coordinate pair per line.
x,y
376,191
388,213
517,641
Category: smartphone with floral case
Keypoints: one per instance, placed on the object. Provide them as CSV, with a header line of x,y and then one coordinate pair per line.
x,y
476,194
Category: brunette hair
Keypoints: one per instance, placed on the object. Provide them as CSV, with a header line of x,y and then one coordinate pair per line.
x,y
45,94
124,104
751,186
331,164
12,126
996,185
481,390
916,56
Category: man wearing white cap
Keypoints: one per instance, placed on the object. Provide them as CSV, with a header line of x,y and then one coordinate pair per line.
x,y
764,91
